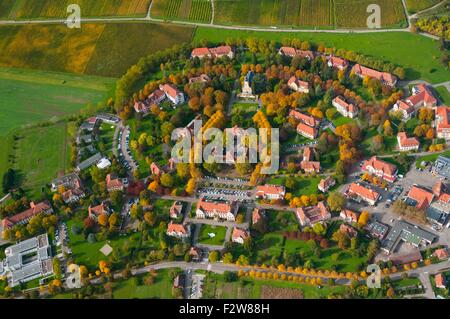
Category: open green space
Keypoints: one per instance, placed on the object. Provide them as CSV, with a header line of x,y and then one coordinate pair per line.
x,y
443,94
415,6
217,288
88,253
30,9
39,155
431,157
134,287
303,185
421,63
96,49
30,96
207,230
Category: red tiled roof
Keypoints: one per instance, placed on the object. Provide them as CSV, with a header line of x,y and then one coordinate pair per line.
x,y
178,228
35,209
380,165
240,233
441,253
170,90
289,51
221,50
200,52
439,279
312,131
310,166
349,230
313,213
327,182
98,210
301,84
406,141
422,196
304,118
256,215
338,62
347,213
363,192
443,119
270,190
221,208
424,95
113,182
348,107
382,76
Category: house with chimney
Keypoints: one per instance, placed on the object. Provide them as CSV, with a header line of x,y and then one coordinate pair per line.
x,y
337,63
293,52
308,216
419,197
361,193
442,122
385,78
175,96
349,216
216,210
421,97
381,169
71,187
178,230
213,53
297,85
25,216
239,235
176,210
114,183
270,192
406,144
344,108
94,212
326,183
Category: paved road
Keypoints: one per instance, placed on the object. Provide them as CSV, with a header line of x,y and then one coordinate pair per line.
x,y
125,149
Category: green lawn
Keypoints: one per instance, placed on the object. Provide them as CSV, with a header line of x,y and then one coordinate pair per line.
x,y
106,138
88,254
421,63
28,96
219,232
132,288
341,120
443,94
431,157
303,185
40,154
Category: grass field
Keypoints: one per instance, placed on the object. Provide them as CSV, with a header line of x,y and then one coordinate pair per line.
x,y
193,10
219,232
444,94
40,154
95,49
353,14
419,5
28,96
422,63
132,288
26,9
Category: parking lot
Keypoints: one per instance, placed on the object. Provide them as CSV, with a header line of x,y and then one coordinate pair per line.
x,y
123,147
194,285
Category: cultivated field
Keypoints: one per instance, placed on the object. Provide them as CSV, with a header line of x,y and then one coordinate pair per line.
x,y
26,9
95,49
419,5
193,10
275,12
420,63
353,14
